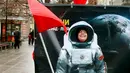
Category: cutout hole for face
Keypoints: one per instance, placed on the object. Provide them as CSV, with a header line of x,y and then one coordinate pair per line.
x,y
81,34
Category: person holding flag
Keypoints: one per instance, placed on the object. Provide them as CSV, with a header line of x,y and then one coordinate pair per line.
x,y
44,20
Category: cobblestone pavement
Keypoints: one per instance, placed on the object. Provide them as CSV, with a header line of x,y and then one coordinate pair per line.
x,y
17,60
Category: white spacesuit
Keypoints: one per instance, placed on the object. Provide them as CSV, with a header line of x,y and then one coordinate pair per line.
x,y
80,57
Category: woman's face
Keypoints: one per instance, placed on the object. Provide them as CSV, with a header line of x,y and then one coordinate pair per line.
x,y
82,36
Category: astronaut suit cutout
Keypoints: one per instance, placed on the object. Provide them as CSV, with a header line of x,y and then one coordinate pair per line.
x,y
81,57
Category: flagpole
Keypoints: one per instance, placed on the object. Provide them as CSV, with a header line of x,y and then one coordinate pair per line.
x,y
44,46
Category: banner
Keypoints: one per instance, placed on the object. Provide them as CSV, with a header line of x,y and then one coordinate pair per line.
x,y
110,23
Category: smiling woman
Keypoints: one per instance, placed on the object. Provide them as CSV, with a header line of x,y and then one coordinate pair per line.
x,y
82,35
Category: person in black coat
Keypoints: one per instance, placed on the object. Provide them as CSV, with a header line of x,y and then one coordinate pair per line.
x,y
40,59
17,36
32,37
29,38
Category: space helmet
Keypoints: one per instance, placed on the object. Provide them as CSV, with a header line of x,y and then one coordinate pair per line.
x,y
73,34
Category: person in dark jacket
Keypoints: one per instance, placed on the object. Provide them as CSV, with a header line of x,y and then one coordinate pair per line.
x,y
40,59
32,37
17,36
29,38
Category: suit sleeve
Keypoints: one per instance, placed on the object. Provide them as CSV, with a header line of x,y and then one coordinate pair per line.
x,y
100,64
62,62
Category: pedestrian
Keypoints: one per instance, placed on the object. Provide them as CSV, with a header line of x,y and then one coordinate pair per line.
x,y
17,36
29,38
32,37
83,55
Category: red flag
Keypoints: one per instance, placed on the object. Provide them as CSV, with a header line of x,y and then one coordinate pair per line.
x,y
80,1
43,17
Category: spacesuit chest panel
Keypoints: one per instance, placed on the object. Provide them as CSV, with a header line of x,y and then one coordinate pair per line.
x,y
81,56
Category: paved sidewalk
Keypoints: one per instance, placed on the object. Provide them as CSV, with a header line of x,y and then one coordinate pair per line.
x,y
17,60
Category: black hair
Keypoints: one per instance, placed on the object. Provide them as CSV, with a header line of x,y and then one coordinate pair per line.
x,y
76,30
